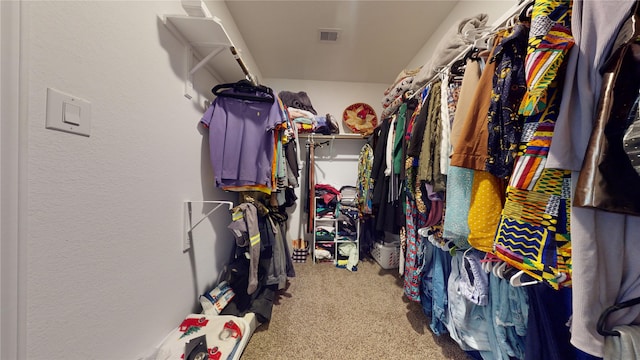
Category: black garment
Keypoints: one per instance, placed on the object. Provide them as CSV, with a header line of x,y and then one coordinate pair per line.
x,y
291,154
260,302
289,199
368,235
377,169
412,105
306,188
417,132
266,239
383,209
547,333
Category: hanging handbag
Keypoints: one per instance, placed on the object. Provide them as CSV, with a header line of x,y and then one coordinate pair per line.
x,y
607,179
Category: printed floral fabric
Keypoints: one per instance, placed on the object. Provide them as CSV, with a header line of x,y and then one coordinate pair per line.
x,y
365,182
414,258
509,87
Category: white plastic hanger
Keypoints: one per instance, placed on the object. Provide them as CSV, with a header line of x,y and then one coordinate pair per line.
x,y
516,280
498,270
489,262
487,266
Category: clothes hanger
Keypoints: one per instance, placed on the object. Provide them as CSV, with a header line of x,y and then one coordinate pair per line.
x,y
244,90
603,317
464,254
487,266
489,261
525,14
503,269
458,66
510,272
516,280
498,270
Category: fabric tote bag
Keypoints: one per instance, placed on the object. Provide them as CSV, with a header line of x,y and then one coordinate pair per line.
x,y
608,180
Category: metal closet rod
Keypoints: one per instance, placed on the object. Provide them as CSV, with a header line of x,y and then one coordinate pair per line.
x,y
244,68
312,136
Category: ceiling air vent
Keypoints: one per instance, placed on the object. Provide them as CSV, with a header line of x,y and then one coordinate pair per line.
x,y
329,35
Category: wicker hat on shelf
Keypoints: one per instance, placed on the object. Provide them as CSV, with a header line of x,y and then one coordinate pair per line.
x,y
360,118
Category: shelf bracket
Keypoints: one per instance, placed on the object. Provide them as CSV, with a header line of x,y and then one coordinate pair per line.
x,y
198,33
191,70
188,223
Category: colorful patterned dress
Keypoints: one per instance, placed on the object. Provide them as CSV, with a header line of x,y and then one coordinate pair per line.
x,y
533,234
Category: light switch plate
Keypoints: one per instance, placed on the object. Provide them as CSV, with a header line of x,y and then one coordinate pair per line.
x,y
68,113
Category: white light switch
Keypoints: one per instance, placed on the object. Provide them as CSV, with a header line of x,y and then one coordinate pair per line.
x,y
71,113
68,113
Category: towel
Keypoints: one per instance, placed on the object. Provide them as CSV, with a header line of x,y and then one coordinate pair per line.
x,y
625,346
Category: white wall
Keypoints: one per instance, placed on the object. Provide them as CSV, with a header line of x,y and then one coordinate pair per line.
x,y
12,316
464,9
333,96
336,164
107,278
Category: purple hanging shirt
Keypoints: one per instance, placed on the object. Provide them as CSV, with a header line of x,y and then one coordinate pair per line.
x,y
241,140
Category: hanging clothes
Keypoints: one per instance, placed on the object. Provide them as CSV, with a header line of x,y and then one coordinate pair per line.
x,y
544,250
459,192
416,130
485,206
310,183
450,98
236,124
414,257
365,182
504,122
415,212
429,160
534,228
549,41
470,81
508,313
459,179
470,150
244,226
547,331
604,245
385,210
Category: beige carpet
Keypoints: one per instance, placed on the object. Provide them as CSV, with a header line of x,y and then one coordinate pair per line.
x,y
331,313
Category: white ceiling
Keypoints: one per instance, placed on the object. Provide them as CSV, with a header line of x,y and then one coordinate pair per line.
x,y
377,39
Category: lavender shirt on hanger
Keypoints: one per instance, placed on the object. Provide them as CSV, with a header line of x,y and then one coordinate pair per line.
x,y
241,140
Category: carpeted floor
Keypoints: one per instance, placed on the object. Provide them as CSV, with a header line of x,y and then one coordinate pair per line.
x,y
331,313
